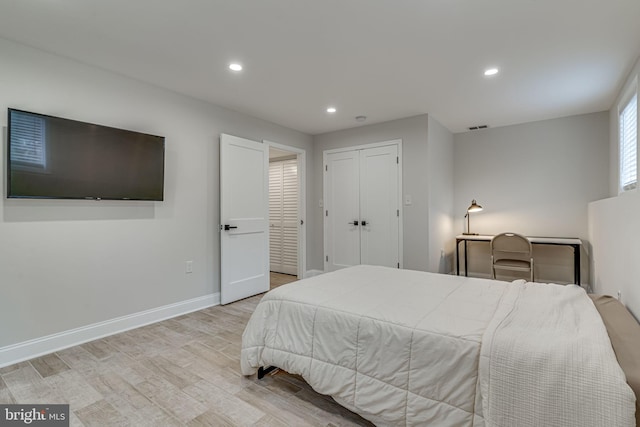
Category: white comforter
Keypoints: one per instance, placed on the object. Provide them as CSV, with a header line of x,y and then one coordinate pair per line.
x,y
404,347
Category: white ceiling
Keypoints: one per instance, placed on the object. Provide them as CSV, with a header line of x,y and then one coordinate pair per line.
x,y
384,59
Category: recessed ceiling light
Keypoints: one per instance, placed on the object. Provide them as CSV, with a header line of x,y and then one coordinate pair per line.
x,y
235,66
331,110
491,71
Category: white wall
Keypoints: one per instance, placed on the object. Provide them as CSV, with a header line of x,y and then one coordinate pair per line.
x,y
422,167
66,264
614,227
440,167
535,179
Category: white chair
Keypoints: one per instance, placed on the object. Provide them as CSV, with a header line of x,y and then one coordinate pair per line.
x,y
511,252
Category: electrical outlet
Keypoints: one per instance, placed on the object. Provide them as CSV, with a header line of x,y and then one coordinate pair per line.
x,y
188,267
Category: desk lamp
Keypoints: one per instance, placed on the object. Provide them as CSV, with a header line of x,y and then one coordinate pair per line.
x,y
475,207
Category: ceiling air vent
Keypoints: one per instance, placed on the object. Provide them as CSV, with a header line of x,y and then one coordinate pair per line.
x,y
478,127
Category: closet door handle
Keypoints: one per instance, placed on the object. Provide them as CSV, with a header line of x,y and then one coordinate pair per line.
x,y
353,223
228,227
364,223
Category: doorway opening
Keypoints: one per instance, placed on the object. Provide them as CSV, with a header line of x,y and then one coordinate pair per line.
x,y
286,214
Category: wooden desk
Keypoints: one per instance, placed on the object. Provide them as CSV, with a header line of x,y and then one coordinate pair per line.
x,y
561,241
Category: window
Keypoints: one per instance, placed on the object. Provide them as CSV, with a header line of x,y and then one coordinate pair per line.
x,y
28,148
628,142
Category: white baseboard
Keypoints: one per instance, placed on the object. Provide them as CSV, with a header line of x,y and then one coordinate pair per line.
x,y
40,346
311,273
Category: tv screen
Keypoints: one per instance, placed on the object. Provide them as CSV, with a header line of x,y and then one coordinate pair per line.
x,y
55,158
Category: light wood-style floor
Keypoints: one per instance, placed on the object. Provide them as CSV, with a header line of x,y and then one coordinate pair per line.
x,y
183,371
279,279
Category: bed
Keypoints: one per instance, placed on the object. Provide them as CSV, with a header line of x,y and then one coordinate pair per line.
x,y
406,348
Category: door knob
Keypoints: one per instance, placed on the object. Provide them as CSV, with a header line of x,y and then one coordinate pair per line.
x,y
364,223
228,227
353,223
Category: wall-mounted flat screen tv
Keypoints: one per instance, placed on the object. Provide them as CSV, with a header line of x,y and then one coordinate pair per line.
x,y
55,158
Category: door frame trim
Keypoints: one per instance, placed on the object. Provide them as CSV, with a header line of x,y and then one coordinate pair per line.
x,y
301,156
325,153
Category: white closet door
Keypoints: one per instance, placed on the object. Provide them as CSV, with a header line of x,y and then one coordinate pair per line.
x,y
379,210
283,216
275,216
290,216
342,237
362,207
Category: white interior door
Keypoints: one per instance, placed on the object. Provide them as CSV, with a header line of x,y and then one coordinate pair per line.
x,y
283,216
342,236
275,216
362,207
379,206
290,217
244,216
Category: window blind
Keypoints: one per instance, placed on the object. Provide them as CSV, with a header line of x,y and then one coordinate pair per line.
x,y
628,139
28,140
